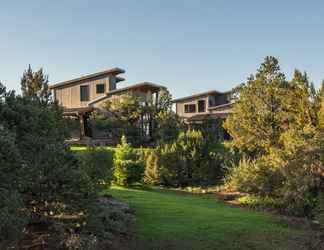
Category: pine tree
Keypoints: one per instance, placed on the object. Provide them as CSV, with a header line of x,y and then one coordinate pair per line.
x,y
275,121
34,85
320,107
256,123
300,101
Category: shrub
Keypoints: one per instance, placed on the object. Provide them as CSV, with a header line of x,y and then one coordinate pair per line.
x,y
254,177
190,160
319,210
302,173
77,242
152,174
107,220
127,167
12,218
163,166
258,202
98,163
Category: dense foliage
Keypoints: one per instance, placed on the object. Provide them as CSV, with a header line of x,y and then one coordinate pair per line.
x,y
190,160
141,119
34,85
128,168
41,181
98,163
277,124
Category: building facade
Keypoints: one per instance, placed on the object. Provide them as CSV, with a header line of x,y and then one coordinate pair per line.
x,y
81,96
210,107
207,104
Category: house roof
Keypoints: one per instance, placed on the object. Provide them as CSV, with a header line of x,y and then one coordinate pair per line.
x,y
144,86
211,92
113,71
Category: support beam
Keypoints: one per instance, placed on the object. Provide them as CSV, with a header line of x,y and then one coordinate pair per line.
x,y
157,98
82,126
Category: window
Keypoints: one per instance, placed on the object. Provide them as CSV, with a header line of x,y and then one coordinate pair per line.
x,y
201,106
190,108
100,88
84,93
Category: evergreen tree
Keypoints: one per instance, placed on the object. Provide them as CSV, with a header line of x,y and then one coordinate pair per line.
x,y
11,182
276,122
167,123
299,102
127,168
256,123
320,107
39,177
164,100
34,85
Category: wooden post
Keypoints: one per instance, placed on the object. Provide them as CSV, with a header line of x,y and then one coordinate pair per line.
x,y
157,98
82,128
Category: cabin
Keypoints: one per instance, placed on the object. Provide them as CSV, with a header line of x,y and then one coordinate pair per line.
x,y
210,106
81,96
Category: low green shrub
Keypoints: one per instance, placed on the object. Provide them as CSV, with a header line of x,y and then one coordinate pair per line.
x,y
12,219
105,221
258,202
163,166
128,168
98,163
77,242
253,177
153,173
319,210
190,160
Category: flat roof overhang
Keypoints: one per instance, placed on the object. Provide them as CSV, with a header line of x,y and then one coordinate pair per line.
x,y
113,71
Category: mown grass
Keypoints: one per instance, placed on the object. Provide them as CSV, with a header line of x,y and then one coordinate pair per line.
x,y
168,219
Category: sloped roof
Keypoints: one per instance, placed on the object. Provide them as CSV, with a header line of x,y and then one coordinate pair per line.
x,y
114,71
211,92
142,85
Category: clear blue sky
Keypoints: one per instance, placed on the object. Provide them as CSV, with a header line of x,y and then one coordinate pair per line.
x,y
187,45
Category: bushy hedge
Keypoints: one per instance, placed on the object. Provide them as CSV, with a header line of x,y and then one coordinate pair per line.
x,y
294,185
98,162
254,176
128,167
190,160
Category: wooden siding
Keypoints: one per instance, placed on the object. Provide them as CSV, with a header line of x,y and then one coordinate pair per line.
x,y
220,99
69,96
180,106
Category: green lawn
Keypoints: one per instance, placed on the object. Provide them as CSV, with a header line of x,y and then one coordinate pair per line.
x,y
172,220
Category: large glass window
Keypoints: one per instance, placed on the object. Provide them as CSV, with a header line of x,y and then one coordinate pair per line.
x,y
100,88
190,108
201,106
84,93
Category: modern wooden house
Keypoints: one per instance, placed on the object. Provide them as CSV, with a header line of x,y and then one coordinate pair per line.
x,y
207,106
198,107
81,96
